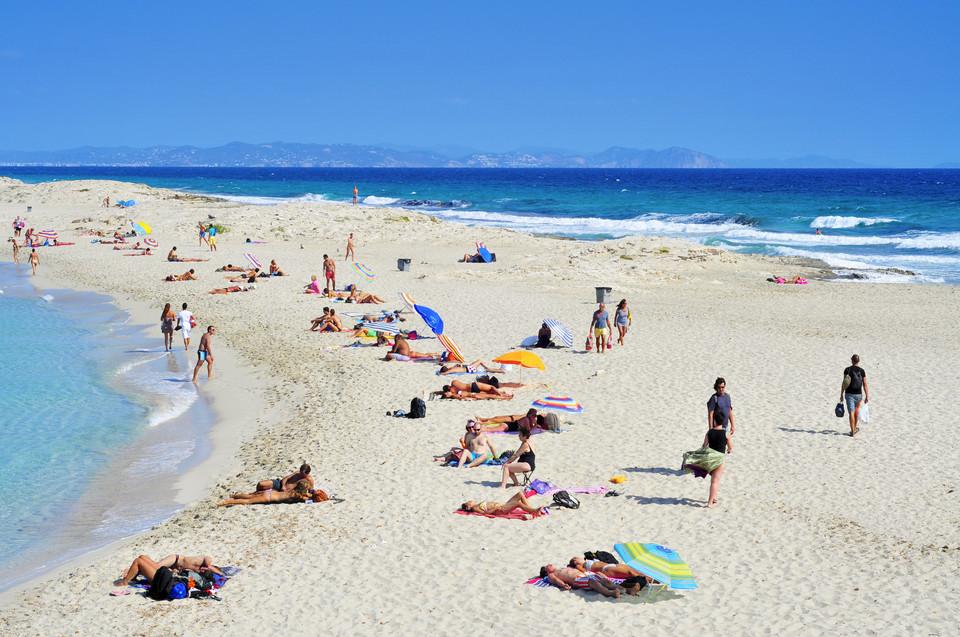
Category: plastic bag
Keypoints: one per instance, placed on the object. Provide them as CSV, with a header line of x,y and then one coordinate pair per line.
x,y
863,414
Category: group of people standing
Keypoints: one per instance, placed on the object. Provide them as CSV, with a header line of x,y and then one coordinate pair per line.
x,y
184,322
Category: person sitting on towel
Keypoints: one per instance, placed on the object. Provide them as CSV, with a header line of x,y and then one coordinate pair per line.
x,y
474,452
544,336
402,346
476,258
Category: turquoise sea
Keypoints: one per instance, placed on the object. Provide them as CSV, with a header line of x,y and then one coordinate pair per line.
x,y
873,222
97,422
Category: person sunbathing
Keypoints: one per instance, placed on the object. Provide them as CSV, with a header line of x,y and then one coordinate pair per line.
x,y
619,571
510,422
232,288
300,493
567,578
469,368
142,253
450,393
231,268
289,482
471,258
797,279
356,296
474,387
186,276
147,567
172,256
249,277
402,347
518,501
275,269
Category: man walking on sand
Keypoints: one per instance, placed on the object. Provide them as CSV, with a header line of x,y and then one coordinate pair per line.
x,y
330,273
600,324
204,354
185,323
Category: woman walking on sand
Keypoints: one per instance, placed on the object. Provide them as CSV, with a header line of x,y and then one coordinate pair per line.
x,y
34,260
167,319
623,319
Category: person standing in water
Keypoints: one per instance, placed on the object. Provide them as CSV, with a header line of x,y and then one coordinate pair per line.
x,y
204,354
355,193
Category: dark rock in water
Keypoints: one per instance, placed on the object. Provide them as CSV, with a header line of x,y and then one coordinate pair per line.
x,y
898,271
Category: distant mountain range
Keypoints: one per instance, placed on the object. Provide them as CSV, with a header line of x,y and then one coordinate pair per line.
x,y
282,154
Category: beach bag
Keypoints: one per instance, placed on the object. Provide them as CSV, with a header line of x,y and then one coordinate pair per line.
x,y
863,414
162,584
589,343
180,590
199,581
838,410
193,321
564,499
418,408
610,341
551,422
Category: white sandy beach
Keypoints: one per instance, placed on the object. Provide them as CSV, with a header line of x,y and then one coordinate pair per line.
x,y
815,532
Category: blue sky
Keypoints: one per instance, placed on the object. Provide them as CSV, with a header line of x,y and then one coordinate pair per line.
x,y
875,82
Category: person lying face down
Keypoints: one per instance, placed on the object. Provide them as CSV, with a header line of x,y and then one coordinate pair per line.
x,y
300,493
458,390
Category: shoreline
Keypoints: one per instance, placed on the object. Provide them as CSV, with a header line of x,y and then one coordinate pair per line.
x,y
192,476
873,511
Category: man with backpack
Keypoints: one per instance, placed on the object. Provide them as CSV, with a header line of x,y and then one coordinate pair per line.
x,y
853,389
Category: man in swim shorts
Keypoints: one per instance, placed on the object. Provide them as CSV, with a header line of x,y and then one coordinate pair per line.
x,y
330,273
476,443
204,354
600,324
289,482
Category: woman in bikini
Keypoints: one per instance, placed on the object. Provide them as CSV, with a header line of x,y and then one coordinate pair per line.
x,y
518,501
167,319
522,461
510,422
300,493
469,368
619,571
275,269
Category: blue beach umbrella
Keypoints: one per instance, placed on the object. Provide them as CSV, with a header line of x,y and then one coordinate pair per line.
x,y
431,318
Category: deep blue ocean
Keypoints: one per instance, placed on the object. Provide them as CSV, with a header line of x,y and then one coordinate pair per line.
x,y
870,220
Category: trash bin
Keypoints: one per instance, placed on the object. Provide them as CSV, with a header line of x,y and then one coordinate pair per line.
x,y
29,209
603,295
403,265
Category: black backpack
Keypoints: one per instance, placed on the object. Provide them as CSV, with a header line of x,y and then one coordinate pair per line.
x,y
418,408
162,584
564,499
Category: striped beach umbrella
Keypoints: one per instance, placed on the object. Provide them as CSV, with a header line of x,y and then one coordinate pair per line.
x,y
151,242
452,347
562,403
658,562
48,234
380,326
253,260
363,271
560,331
408,301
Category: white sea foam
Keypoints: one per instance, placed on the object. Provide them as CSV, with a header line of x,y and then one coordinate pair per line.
x,y
835,221
652,224
126,367
932,241
373,200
